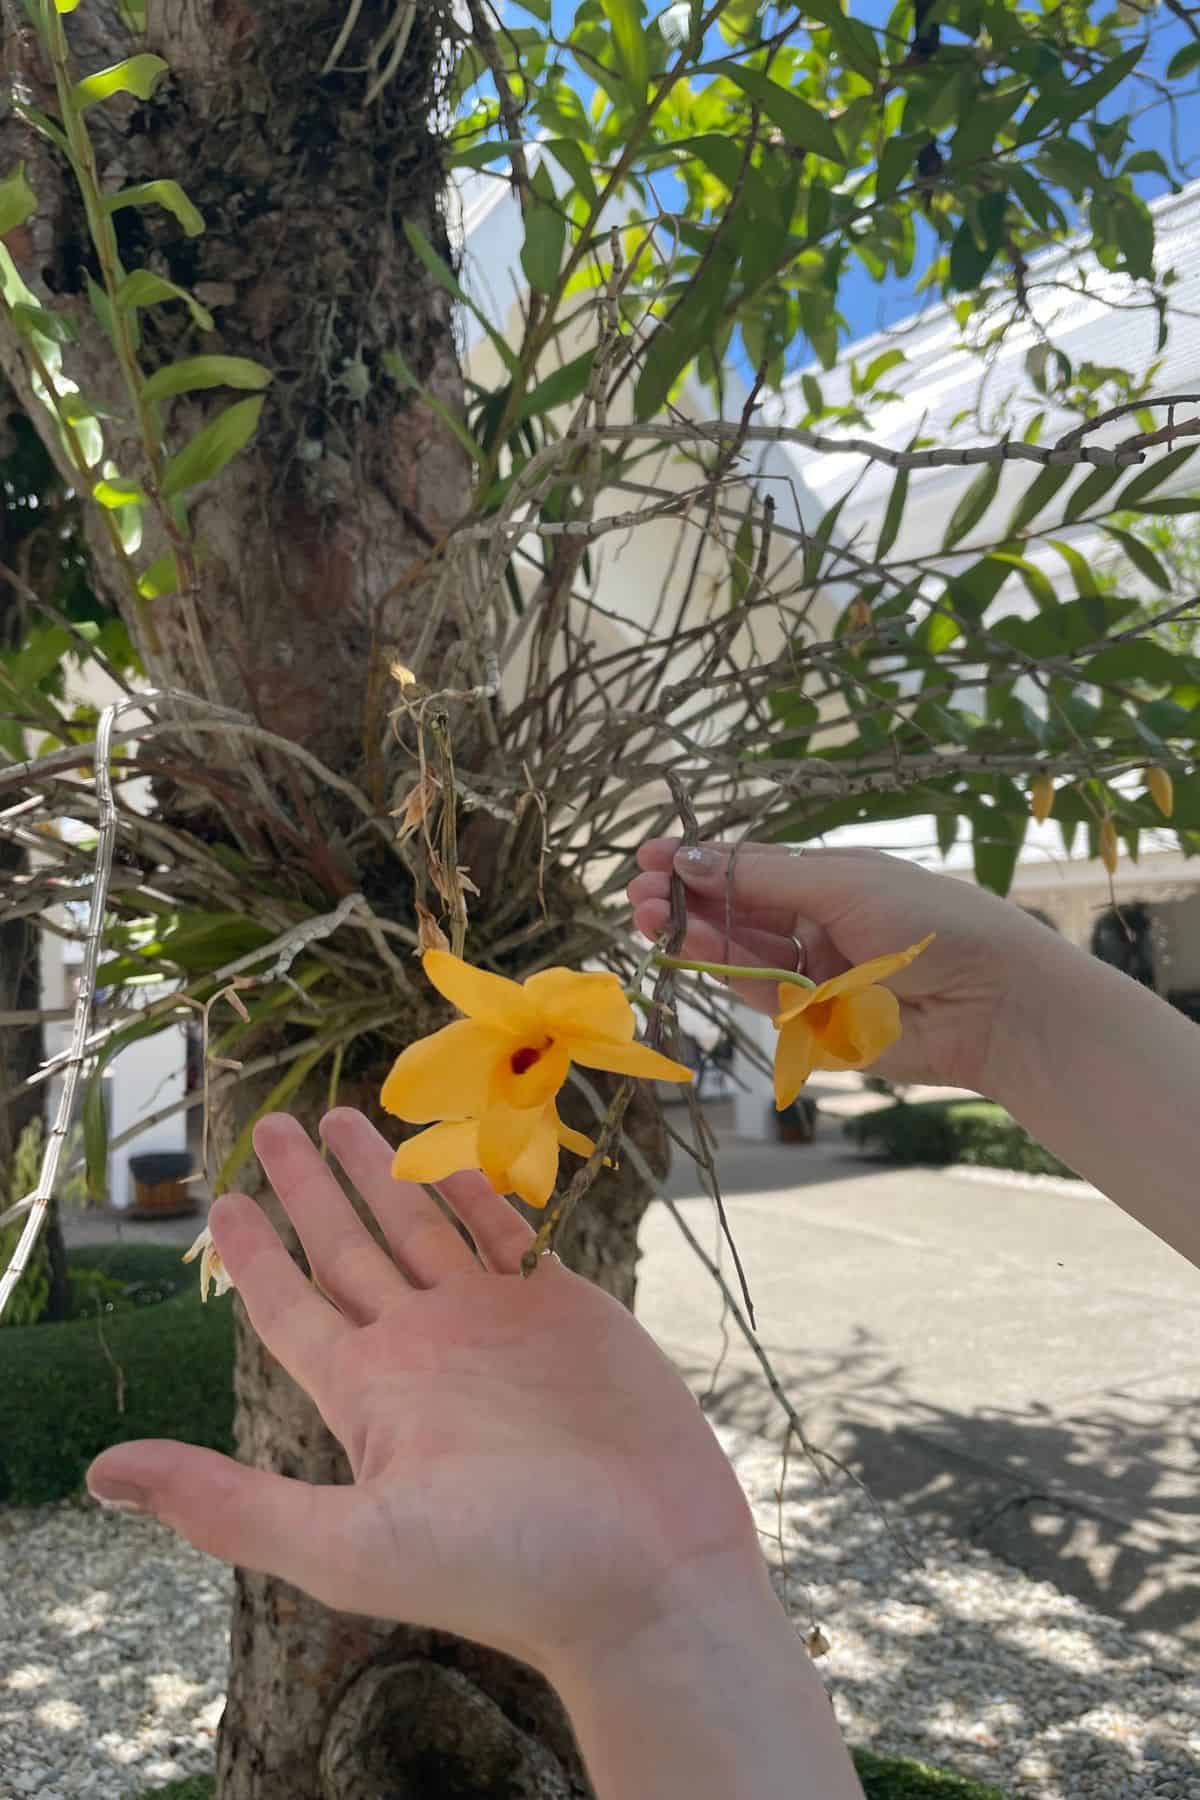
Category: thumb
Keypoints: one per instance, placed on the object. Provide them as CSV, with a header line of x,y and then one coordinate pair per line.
x,y
246,1516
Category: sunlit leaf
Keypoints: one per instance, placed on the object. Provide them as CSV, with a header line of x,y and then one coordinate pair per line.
x,y
214,446
137,75
162,577
18,201
196,372
114,493
629,41
144,288
167,194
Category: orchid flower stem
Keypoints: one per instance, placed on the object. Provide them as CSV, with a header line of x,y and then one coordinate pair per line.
x,y
788,977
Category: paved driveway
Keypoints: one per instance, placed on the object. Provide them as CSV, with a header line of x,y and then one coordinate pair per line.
x,y
1020,1364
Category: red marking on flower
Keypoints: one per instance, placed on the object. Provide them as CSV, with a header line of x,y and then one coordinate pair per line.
x,y
524,1059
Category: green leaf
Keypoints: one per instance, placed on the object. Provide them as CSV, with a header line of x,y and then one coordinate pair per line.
x,y
1142,558
18,201
681,337
881,365
893,514
280,1094
1090,492
969,260
95,1136
425,253
741,568
1040,586
144,288
1138,659
939,632
1184,61
136,75
1133,229
114,493
802,125
560,388
996,844
1147,479
946,827
1038,494
162,577
399,370
168,194
629,40
1062,107
1086,585
973,505
545,237
1172,507
895,162
209,451
55,326
196,372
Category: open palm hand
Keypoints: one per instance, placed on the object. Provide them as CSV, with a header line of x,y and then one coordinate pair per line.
x,y
528,1468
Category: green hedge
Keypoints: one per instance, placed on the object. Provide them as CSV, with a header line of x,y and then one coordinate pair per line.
x,y
883,1778
58,1390
953,1131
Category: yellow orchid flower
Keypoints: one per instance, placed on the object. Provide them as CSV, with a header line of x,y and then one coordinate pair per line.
x,y
844,1023
491,1077
454,1145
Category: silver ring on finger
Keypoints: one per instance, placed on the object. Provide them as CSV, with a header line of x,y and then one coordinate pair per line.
x,y
801,955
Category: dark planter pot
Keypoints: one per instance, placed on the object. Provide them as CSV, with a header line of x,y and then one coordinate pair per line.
x,y
158,1180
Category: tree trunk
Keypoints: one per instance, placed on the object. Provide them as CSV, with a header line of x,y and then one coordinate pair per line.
x,y
325,1706
315,546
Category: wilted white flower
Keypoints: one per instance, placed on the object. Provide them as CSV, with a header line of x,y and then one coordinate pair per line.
x,y
212,1270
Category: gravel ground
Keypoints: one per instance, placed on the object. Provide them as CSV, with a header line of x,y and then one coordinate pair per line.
x,y
113,1648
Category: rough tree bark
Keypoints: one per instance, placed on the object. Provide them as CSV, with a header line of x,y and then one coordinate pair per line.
x,y
298,613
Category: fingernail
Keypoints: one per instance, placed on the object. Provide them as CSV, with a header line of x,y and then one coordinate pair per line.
x,y
696,863
120,1497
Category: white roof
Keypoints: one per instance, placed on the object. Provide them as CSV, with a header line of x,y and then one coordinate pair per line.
x,y
1104,325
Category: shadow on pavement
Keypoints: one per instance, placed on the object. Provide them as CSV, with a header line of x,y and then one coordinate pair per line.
x,y
1007,1479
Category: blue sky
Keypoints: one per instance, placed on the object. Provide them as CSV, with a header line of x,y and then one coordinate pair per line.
x,y
869,306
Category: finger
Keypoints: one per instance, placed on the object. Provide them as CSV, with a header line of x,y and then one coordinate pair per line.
x,y
418,1233
825,884
246,1516
500,1234
707,942
350,1266
300,1328
765,918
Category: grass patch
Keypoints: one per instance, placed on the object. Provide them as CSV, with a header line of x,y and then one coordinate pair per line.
x,y
896,1778
58,1388
953,1131
883,1778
